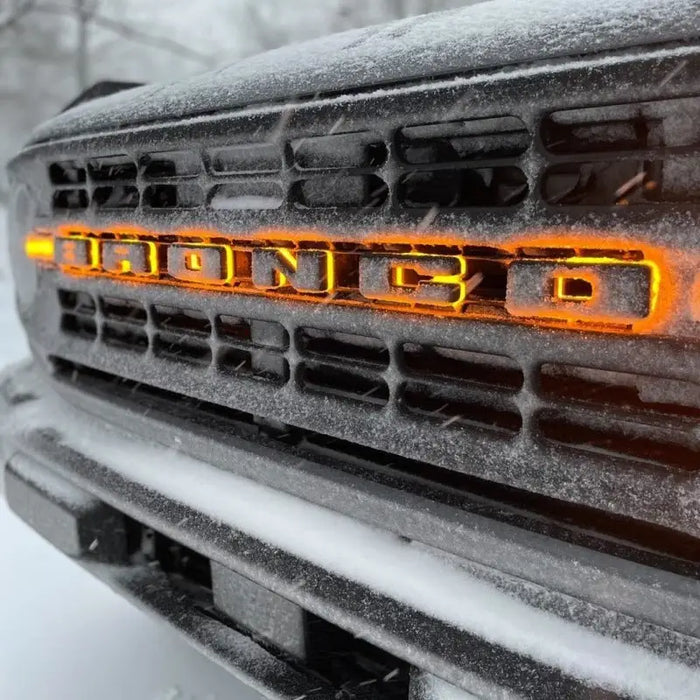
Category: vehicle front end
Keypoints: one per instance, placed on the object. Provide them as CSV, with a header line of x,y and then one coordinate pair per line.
x,y
381,375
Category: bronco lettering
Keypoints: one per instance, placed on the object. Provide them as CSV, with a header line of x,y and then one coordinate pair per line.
x,y
607,291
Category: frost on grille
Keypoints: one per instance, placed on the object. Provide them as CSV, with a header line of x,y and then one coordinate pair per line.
x,y
622,413
619,155
345,173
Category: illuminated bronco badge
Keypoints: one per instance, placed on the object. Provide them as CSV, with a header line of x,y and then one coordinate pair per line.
x,y
614,291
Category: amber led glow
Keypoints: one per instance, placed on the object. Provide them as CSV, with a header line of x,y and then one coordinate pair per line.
x,y
573,288
39,247
193,262
401,272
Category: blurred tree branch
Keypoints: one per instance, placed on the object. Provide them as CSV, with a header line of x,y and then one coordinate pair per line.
x,y
85,13
128,31
14,14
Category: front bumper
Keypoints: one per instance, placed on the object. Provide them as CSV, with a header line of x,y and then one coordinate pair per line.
x,y
445,592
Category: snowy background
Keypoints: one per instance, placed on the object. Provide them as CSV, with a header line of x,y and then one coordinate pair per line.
x,y
64,634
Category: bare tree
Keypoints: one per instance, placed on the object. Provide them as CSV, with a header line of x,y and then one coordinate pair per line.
x,y
14,13
84,9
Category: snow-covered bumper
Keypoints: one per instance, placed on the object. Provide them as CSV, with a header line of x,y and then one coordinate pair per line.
x,y
307,581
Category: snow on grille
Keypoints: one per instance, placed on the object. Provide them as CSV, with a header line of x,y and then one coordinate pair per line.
x,y
604,156
624,414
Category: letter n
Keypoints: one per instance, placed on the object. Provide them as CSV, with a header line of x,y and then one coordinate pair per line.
x,y
307,271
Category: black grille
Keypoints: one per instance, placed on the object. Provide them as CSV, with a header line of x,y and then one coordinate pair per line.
x,y
492,168
235,346
642,153
78,315
585,409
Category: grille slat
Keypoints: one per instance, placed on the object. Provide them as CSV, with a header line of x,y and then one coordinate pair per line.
x,y
602,434
446,406
344,382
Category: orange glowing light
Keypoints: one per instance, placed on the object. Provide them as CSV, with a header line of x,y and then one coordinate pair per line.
x,y
401,280
39,247
570,288
667,270
193,262
289,258
695,299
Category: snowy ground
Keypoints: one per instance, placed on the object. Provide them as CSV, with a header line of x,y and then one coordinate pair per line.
x,y
63,634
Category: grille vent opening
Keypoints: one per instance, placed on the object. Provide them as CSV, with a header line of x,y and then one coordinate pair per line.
x,y
116,197
170,164
261,333
363,671
341,191
82,326
124,336
343,346
450,142
253,194
462,365
252,348
255,362
473,388
176,319
78,316
182,348
246,158
447,407
344,383
621,439
125,310
621,183
70,199
663,132
660,124
622,390
77,302
235,361
66,172
269,334
146,546
173,196
233,327
353,150
110,168
461,188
